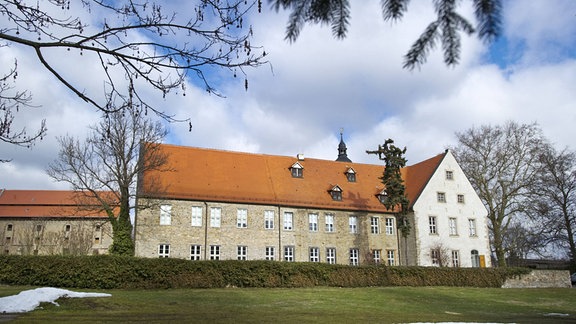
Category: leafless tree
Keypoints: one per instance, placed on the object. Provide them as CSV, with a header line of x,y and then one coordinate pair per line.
x,y
136,44
440,254
109,160
10,103
554,205
502,163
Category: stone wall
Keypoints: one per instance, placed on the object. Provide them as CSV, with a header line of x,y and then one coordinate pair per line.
x,y
541,279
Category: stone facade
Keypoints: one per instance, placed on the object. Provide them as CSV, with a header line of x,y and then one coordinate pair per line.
x,y
53,236
541,279
267,239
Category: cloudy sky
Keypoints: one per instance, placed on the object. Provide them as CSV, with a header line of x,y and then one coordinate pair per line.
x,y
314,87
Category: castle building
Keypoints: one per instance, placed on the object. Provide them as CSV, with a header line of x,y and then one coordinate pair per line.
x,y
48,222
220,205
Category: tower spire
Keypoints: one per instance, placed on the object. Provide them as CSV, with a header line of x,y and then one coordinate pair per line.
x,y
342,156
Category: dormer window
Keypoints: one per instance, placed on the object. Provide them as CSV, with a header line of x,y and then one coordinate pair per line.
x,y
297,170
382,196
336,193
351,175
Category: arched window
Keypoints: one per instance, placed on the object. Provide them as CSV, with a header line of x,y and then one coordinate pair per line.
x,y
475,259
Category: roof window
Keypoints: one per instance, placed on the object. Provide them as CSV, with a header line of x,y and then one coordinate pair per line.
x,y
382,196
297,170
336,193
351,175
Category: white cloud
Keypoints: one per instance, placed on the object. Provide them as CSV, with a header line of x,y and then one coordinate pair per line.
x,y
313,87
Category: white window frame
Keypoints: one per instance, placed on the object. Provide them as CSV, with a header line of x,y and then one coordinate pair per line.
x,y
215,216
329,223
196,216
475,258
377,256
214,252
242,218
375,225
269,219
449,175
164,250
472,227
289,253
353,224
354,256
269,253
331,255
165,214
390,257
314,254
453,226
195,252
288,221
432,225
389,225
242,252
455,258
435,256
313,222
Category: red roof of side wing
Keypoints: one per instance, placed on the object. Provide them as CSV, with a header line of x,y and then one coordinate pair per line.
x,y
216,175
50,203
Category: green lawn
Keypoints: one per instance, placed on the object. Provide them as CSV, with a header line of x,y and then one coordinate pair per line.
x,y
311,305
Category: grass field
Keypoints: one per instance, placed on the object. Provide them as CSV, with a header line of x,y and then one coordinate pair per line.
x,y
310,305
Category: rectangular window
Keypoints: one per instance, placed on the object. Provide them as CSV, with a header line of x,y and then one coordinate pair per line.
x,y
242,252
165,214
288,221
472,227
432,224
329,223
377,256
314,254
449,175
242,218
269,219
374,225
351,176
313,222
297,172
460,199
435,255
453,227
68,227
195,252
331,255
215,216
441,197
289,253
164,250
389,226
353,224
38,228
196,216
269,253
214,252
354,257
9,228
455,259
8,239
390,257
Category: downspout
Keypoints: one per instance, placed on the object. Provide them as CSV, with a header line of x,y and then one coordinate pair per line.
x,y
280,228
205,231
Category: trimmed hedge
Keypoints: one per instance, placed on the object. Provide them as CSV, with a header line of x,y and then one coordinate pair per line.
x,y
116,272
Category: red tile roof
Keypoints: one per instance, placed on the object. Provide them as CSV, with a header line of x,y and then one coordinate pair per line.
x,y
225,176
48,203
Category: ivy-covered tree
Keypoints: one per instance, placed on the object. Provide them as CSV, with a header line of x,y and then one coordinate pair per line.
x,y
395,197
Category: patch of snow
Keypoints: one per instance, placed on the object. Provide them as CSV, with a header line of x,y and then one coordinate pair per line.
x,y
28,300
